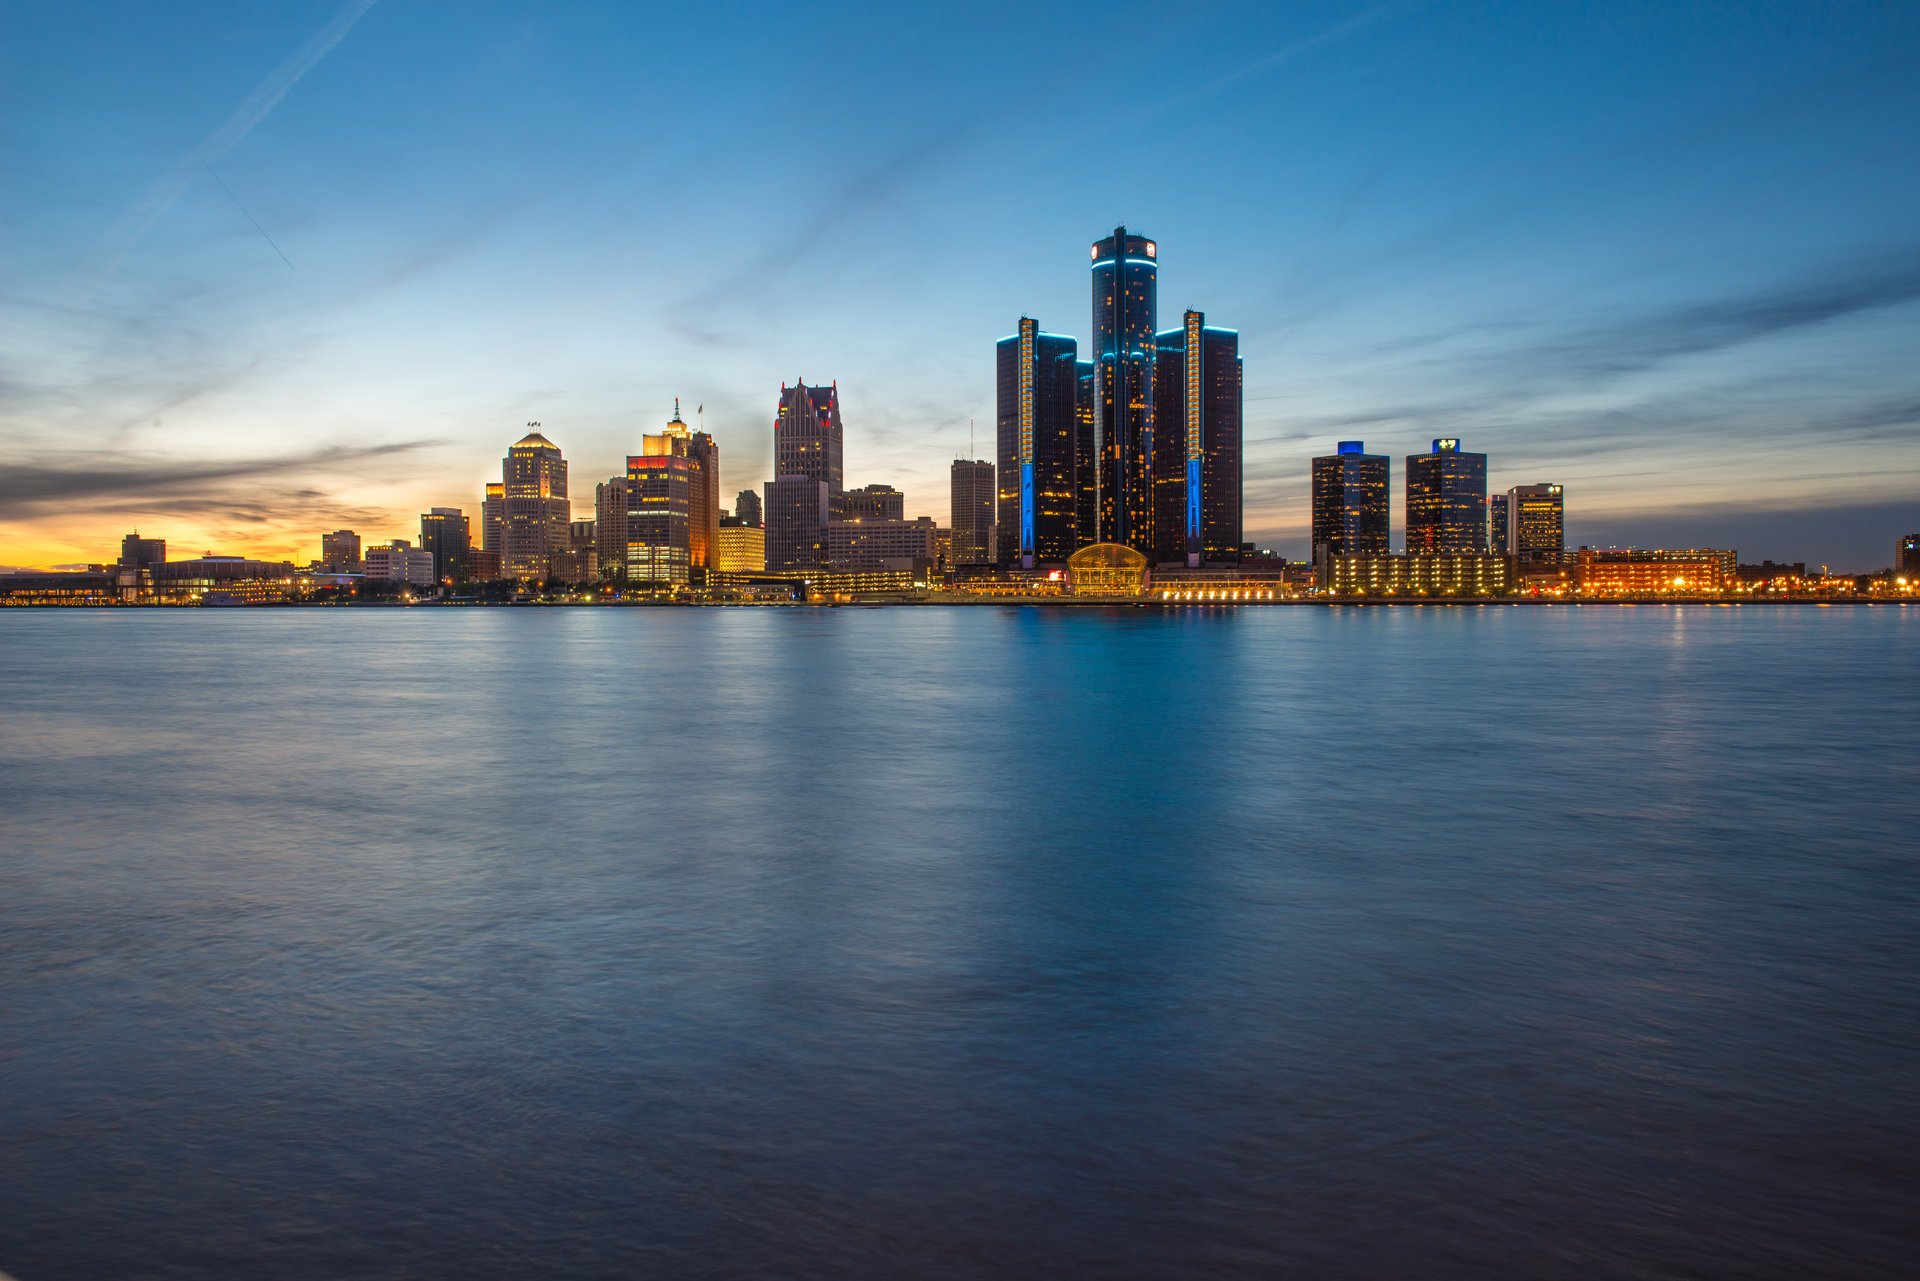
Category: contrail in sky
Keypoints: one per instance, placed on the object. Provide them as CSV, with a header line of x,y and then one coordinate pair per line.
x,y
258,105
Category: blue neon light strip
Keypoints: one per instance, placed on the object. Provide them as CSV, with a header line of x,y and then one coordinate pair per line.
x,y
1193,499
1026,509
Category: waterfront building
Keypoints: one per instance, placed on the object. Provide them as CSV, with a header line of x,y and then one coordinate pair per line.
x,y
1350,512
809,437
741,548
882,544
1108,569
534,512
1497,524
797,512
943,549
660,484
1637,571
400,562
445,536
224,580
1906,558
493,506
583,551
138,553
1125,298
871,502
1417,574
1536,524
484,566
340,551
1447,501
1196,434
747,508
972,500
610,529
1036,384
1086,458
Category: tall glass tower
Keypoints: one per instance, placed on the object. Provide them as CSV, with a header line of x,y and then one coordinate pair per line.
x,y
1196,468
1036,393
1447,501
1125,289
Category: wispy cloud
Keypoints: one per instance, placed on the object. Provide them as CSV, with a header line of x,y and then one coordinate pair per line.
x,y
257,106
98,477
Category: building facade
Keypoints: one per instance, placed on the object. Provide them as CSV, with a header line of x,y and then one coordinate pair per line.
x,y
1497,524
1036,385
741,548
1350,502
660,485
1536,524
445,536
972,501
1418,574
747,507
140,553
400,562
610,529
1197,434
1125,299
534,512
797,512
1446,501
881,544
871,502
493,525
809,437
1637,571
1906,557
340,551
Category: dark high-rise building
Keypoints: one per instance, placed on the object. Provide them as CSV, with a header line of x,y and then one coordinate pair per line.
x,y
703,502
1196,433
445,536
1907,555
972,519
1125,285
871,502
1536,524
1447,500
798,509
610,529
1037,383
808,436
1350,512
1497,524
747,508
143,553
534,508
1086,458
493,507
340,551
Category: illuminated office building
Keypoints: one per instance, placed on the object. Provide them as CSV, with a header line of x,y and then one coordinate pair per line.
x,y
972,501
871,502
444,536
141,553
1497,524
534,511
610,529
1655,570
340,551
1446,501
493,505
660,483
1196,434
1907,555
1086,458
797,511
1350,512
747,507
809,437
1420,574
881,544
1036,386
703,500
400,562
742,548
1125,285
1536,524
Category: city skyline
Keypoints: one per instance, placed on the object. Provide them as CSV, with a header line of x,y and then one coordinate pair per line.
x,y
294,293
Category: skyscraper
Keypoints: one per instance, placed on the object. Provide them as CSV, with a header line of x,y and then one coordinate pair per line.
x,y
1536,524
1907,555
1350,514
797,512
610,529
660,483
445,536
703,499
1036,386
1196,432
872,502
340,551
747,508
1446,500
808,436
972,500
1497,524
534,507
493,508
1125,287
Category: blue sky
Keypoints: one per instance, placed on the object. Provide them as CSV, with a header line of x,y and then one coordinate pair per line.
x,y
270,269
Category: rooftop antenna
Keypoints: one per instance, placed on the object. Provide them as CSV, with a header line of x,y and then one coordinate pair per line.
x,y
970,449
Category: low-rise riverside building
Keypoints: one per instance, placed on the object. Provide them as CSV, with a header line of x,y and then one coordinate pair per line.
x,y
1420,574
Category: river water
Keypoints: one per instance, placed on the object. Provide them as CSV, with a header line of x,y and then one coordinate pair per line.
x,y
966,942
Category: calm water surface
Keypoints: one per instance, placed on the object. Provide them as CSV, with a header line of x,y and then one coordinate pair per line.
x,y
960,943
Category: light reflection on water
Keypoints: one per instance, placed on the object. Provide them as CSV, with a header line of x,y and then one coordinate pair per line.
x,y
1447,942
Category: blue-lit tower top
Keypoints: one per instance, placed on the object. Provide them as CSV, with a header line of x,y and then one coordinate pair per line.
x,y
1125,300
1125,293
